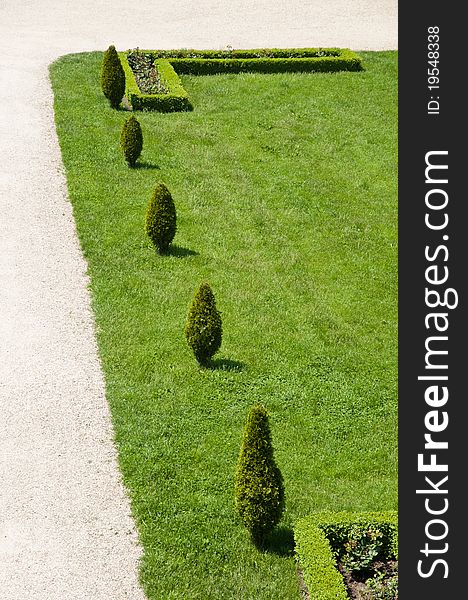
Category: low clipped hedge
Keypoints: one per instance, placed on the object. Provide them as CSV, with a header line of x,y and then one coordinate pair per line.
x,y
175,100
170,63
255,53
213,66
320,538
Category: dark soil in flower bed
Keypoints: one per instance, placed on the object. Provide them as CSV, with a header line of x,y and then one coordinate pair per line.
x,y
380,582
304,592
146,73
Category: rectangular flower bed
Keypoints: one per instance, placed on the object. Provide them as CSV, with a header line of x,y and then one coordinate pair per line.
x,y
175,99
170,63
321,542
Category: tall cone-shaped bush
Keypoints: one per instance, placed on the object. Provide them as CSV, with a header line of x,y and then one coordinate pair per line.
x,y
112,77
131,140
259,490
204,329
161,218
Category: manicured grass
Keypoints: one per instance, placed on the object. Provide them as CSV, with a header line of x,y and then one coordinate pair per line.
x,y
285,187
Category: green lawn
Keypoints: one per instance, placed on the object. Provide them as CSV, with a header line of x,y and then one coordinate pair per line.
x,y
286,192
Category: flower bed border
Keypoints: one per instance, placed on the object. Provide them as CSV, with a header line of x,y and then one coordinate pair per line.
x,y
175,100
170,63
317,534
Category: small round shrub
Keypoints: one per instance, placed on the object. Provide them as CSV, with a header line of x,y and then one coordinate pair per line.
x,y
112,77
204,329
161,218
259,489
131,140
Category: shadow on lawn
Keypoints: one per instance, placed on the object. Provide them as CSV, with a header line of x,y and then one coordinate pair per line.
x,y
144,164
180,252
225,364
280,542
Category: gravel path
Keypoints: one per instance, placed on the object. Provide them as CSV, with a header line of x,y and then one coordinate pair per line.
x,y
65,527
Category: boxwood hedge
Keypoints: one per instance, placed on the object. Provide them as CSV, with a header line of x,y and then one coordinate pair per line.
x,y
170,63
175,100
320,538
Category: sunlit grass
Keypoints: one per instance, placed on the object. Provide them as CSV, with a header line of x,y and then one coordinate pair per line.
x,y
285,187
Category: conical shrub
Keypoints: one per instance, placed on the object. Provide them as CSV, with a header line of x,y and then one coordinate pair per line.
x,y
259,489
161,218
112,77
204,329
131,140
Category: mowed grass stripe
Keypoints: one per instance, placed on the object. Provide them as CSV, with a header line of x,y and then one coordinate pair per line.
x,y
286,192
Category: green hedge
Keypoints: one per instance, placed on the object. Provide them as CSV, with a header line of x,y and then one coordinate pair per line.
x,y
319,541
209,62
213,66
255,53
176,100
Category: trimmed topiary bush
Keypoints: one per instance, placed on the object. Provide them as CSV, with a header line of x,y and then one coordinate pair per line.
x,y
259,489
112,77
161,218
131,140
204,327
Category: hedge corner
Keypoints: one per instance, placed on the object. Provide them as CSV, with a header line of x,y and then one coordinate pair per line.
x,y
171,63
319,538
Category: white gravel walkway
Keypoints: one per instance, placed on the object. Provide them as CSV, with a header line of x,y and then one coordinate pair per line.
x,y
65,526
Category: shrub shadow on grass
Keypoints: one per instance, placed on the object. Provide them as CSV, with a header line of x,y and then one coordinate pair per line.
x,y
280,542
225,364
144,164
180,252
